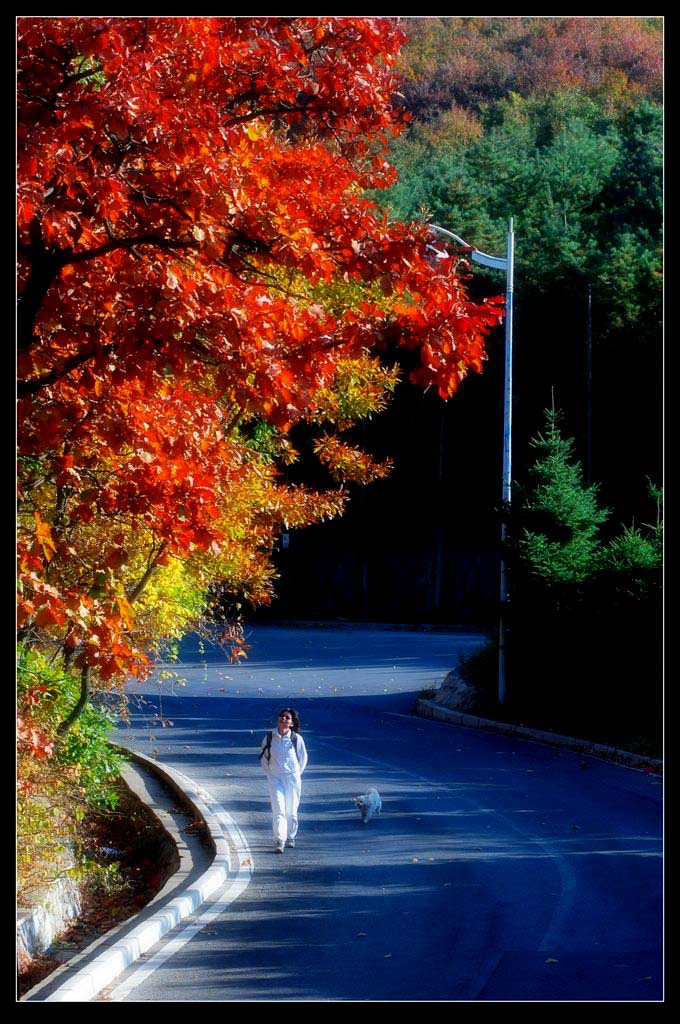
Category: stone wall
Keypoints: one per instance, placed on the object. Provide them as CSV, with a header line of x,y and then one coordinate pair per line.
x,y
55,907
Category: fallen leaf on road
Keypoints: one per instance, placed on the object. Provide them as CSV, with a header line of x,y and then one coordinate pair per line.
x,y
195,826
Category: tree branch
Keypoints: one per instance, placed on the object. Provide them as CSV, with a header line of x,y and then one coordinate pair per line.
x,y
46,265
150,569
85,679
281,110
124,243
30,387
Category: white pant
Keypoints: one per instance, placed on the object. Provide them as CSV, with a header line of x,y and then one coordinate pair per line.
x,y
284,793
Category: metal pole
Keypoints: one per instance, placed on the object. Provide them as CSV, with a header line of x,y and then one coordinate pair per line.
x,y
506,263
438,565
507,462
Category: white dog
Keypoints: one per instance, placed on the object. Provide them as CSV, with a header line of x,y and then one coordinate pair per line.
x,y
369,804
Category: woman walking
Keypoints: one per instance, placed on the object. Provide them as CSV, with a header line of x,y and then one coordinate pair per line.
x,y
283,756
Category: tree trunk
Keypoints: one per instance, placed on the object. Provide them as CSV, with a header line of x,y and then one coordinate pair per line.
x,y
85,677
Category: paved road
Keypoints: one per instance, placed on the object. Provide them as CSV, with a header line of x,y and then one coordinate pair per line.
x,y
499,870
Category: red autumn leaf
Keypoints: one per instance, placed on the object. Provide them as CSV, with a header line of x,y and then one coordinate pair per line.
x,y
44,536
166,202
50,615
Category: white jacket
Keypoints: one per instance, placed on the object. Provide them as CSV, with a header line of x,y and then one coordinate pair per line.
x,y
283,760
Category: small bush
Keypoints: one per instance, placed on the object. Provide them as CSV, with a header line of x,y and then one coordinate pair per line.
x,y
59,778
480,671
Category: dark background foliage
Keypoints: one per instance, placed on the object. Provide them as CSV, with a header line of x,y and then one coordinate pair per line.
x,y
557,123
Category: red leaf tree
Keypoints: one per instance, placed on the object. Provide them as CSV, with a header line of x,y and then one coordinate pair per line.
x,y
190,193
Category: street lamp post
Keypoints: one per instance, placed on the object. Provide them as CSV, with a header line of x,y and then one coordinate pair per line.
x,y
506,263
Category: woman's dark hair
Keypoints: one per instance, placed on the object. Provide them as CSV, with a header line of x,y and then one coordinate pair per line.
x,y
294,715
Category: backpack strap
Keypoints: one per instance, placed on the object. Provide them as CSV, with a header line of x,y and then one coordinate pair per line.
x,y
267,749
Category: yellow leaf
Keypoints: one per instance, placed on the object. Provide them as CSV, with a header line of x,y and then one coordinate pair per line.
x,y
254,131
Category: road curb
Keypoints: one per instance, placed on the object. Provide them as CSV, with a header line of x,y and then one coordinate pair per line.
x,y
154,922
429,709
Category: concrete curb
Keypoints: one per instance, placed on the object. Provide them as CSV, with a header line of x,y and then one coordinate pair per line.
x,y
83,985
429,709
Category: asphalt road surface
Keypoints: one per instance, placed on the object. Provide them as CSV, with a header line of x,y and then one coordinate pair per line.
x,y
499,869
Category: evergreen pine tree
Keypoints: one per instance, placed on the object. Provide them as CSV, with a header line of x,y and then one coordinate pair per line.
x,y
584,648
559,544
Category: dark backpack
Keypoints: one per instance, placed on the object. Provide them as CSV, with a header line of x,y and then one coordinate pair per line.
x,y
267,749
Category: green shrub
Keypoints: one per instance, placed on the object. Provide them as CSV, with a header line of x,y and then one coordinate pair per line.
x,y
584,638
59,778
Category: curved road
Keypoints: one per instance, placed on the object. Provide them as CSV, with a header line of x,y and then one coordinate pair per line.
x,y
499,870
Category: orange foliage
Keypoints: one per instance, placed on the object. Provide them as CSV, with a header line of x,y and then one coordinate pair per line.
x,y
172,173
471,61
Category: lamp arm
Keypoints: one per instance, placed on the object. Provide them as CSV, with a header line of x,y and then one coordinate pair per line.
x,y
495,262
